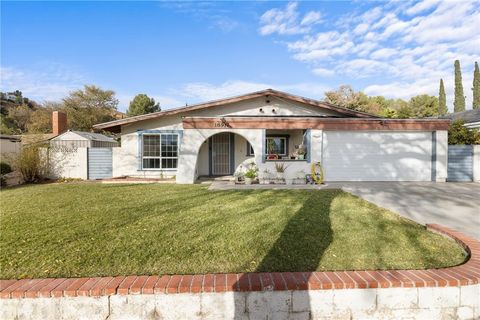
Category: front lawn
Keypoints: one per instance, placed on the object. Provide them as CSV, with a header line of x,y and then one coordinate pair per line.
x,y
90,229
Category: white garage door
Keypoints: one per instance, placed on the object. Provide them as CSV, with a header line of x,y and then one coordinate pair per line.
x,y
377,156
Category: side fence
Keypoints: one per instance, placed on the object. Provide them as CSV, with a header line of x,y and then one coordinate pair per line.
x,y
81,163
463,163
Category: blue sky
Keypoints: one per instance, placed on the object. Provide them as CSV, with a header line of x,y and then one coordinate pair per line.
x,y
187,52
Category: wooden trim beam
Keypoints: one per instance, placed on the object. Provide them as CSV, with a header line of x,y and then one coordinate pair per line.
x,y
316,123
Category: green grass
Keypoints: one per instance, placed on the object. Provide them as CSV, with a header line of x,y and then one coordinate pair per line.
x,y
89,229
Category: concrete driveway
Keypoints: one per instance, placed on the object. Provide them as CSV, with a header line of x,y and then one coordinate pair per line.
x,y
455,205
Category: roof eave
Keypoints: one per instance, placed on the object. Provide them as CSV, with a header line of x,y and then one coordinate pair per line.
x,y
111,125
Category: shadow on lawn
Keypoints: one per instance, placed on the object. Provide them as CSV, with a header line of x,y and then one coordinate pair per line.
x,y
299,248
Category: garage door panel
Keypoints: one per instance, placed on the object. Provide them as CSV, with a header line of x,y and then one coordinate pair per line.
x,y
377,156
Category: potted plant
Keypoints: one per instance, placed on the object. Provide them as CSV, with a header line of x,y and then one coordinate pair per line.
x,y
270,149
301,152
251,174
280,168
239,177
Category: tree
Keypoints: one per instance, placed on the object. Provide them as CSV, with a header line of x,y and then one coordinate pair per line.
x,y
6,126
346,97
41,118
476,87
142,104
459,102
423,106
89,106
442,99
459,134
19,117
405,112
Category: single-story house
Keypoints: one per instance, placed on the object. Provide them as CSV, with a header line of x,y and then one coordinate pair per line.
x,y
220,137
471,118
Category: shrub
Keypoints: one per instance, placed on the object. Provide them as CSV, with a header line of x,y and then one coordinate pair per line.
x,y
5,168
32,163
459,134
251,173
3,181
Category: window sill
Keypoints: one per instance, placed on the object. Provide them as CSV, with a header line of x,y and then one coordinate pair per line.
x,y
286,160
159,170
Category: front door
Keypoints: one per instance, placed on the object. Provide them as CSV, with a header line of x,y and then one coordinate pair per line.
x,y
220,154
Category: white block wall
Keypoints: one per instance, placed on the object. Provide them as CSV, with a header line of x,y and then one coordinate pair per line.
x,y
386,303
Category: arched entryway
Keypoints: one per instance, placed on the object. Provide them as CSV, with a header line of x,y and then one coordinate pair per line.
x,y
223,154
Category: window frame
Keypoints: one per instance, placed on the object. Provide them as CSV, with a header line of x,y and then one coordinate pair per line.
x,y
160,157
250,150
277,137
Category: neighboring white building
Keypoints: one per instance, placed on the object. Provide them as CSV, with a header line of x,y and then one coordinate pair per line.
x,y
9,146
470,117
219,137
81,139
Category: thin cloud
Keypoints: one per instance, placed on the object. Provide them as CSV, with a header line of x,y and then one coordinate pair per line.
x,y
288,21
397,49
200,91
51,81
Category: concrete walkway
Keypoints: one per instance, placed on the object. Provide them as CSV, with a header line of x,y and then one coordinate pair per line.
x,y
229,185
454,205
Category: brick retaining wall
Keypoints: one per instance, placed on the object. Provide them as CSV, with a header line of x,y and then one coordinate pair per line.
x,y
433,293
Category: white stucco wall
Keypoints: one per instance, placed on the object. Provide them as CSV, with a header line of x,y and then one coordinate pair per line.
x,y
203,158
241,159
193,139
69,163
252,107
476,163
442,155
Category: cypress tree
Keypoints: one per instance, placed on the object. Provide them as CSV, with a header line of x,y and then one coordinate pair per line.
x,y
476,88
459,102
442,100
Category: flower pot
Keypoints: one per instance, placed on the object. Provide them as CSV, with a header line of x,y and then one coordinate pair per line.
x,y
301,157
248,180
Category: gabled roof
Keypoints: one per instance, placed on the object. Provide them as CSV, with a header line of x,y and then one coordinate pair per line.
x,y
114,125
89,136
468,116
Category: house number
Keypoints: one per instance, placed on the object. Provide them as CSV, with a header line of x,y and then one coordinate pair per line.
x,y
220,124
